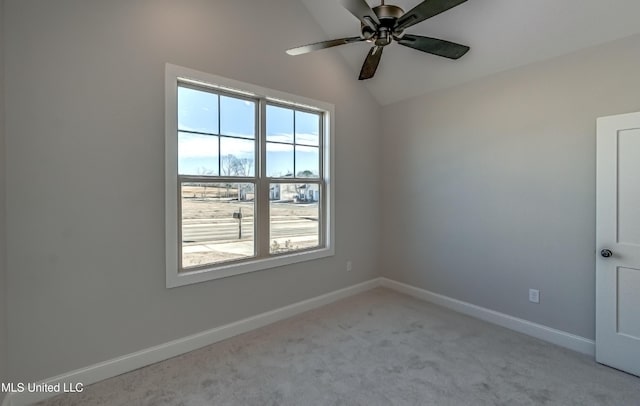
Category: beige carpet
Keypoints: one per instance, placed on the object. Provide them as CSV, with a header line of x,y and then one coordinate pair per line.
x,y
377,348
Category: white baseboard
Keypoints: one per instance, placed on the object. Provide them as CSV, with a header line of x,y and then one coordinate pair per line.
x,y
558,337
114,367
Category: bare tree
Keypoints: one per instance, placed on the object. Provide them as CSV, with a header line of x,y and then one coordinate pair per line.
x,y
245,166
203,171
230,165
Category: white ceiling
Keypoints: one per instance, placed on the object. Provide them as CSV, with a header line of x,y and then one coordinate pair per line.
x,y
502,34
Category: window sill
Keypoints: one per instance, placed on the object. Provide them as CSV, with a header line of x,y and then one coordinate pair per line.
x,y
175,279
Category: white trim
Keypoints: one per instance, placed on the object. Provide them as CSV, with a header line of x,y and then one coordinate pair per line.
x,y
554,336
108,369
171,176
174,278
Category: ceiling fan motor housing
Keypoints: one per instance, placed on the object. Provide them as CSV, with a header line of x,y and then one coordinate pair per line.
x,y
388,15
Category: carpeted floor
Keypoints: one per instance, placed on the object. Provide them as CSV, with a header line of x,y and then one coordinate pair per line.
x,y
376,348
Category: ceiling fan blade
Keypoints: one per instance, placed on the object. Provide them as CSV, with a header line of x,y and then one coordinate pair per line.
x,y
434,46
362,11
322,45
424,10
371,63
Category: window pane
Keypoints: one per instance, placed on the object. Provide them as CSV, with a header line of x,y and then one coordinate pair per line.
x,y
197,154
217,223
307,128
197,111
279,160
237,117
294,213
237,157
307,162
279,124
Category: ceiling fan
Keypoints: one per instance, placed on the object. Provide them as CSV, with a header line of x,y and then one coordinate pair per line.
x,y
384,24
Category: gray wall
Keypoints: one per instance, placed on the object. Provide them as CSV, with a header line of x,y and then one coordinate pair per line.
x,y
85,144
489,188
3,284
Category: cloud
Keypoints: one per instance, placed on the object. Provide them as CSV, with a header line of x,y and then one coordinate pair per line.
x,y
310,139
197,146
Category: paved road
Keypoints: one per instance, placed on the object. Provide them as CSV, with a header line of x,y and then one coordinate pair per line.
x,y
197,232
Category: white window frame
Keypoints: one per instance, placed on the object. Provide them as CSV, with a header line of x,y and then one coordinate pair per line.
x,y
175,278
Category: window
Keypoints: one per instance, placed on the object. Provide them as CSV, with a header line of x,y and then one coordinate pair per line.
x,y
248,178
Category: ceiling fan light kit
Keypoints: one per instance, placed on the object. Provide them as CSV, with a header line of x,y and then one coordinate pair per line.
x,y
383,24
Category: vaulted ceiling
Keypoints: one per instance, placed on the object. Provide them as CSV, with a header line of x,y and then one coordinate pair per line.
x,y
502,34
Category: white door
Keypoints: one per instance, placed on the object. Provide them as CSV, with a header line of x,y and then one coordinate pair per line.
x,y
618,242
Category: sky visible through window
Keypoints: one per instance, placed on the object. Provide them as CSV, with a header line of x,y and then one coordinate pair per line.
x,y
226,127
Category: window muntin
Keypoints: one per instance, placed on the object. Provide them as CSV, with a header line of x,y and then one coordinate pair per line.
x,y
286,145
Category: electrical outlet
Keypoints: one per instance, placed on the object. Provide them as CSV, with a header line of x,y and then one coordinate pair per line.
x,y
534,295
349,266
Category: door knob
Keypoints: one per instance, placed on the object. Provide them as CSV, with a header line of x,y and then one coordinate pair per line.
x,y
606,253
